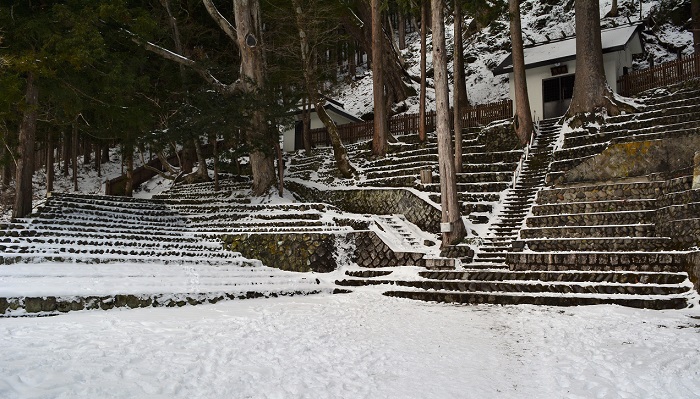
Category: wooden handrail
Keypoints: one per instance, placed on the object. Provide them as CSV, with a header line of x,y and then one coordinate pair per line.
x,y
664,74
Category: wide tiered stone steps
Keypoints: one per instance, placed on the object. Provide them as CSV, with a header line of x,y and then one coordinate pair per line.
x,y
667,115
213,213
99,229
89,251
487,172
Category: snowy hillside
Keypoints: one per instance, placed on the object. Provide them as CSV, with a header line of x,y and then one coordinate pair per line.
x,y
541,21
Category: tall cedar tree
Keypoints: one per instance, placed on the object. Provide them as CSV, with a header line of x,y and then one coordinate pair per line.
x,y
448,182
591,90
522,120
380,139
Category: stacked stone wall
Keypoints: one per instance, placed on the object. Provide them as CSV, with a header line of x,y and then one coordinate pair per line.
x,y
376,201
668,157
319,252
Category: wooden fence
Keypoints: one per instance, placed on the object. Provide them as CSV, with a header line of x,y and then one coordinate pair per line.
x,y
662,75
408,124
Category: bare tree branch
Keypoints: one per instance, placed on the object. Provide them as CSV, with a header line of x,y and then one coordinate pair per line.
x,y
169,55
223,23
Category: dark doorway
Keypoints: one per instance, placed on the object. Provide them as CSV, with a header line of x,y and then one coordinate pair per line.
x,y
556,93
298,135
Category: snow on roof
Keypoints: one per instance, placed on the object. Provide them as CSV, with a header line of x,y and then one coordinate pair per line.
x,y
613,39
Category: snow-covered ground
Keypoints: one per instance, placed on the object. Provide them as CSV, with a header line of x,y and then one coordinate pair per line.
x,y
358,345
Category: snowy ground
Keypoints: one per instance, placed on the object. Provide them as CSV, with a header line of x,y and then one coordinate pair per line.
x,y
359,345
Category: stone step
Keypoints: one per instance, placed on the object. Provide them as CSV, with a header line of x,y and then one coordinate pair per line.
x,y
622,277
550,300
591,219
671,262
484,177
601,192
489,167
621,205
470,187
601,244
492,157
609,231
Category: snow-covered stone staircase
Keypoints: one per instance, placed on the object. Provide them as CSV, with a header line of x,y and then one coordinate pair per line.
x,y
85,252
586,243
518,200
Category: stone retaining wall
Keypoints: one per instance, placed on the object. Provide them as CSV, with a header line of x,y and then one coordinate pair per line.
x,y
319,252
640,158
693,269
375,201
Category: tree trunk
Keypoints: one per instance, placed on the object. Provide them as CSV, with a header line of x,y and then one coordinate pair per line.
x,y
215,154
394,87
260,140
74,155
522,120
98,159
49,162
422,128
352,66
339,152
402,31
129,158
591,91
202,170
448,184
87,150
25,165
695,12
306,125
187,157
380,139
460,82
613,10
65,152
459,88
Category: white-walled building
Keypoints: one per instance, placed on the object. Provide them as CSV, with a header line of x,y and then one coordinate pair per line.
x,y
292,137
550,68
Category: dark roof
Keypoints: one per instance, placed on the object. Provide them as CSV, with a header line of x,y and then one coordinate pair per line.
x,y
562,50
330,106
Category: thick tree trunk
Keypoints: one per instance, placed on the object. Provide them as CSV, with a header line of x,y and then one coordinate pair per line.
x,y
591,91
49,162
202,170
25,165
613,10
460,82
422,128
459,88
522,120
260,140
380,139
448,184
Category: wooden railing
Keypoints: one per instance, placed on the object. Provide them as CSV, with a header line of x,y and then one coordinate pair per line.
x,y
408,124
662,75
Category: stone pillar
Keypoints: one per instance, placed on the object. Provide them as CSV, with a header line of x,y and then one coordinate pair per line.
x,y
696,171
426,176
